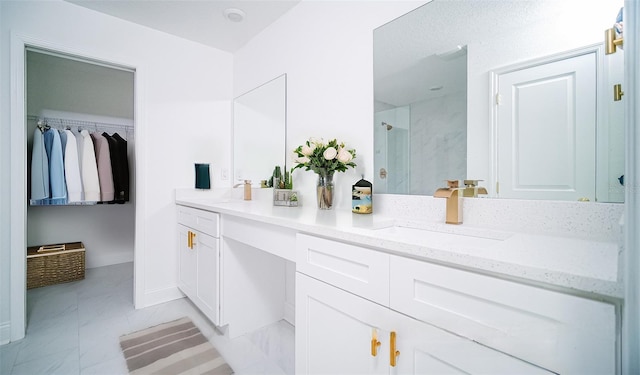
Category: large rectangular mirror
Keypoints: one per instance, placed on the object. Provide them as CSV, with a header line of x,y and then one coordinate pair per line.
x,y
259,131
518,94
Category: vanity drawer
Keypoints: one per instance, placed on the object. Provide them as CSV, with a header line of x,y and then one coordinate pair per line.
x,y
560,332
203,221
355,269
273,239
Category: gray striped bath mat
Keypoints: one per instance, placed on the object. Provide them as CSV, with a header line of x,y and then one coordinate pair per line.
x,y
176,347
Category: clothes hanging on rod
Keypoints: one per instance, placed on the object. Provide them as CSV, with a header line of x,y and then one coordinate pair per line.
x,y
57,185
78,168
72,168
39,167
119,166
88,167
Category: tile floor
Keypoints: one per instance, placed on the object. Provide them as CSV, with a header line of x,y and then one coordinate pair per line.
x,y
73,328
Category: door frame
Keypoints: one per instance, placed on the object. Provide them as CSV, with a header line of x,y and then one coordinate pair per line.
x,y
494,76
18,161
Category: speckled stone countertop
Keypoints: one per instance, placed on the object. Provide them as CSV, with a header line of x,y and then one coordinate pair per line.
x,y
584,266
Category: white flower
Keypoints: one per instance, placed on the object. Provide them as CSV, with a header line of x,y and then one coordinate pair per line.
x,y
344,156
293,156
330,153
316,142
307,150
302,160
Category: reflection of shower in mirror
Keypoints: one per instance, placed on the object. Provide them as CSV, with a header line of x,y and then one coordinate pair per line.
x,y
389,126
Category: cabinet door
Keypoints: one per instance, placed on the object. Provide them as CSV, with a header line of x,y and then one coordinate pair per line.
x,y
425,349
334,330
187,261
208,276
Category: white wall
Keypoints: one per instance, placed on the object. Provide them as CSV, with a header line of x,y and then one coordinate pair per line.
x,y
438,142
326,49
184,89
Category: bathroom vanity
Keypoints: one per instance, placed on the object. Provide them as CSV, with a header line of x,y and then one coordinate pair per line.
x,y
376,294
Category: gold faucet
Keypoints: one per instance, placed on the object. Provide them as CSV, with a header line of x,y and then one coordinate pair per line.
x,y
454,201
472,189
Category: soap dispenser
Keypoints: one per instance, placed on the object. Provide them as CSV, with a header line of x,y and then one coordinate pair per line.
x,y
247,190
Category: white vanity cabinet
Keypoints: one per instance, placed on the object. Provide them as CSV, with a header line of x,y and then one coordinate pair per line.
x,y
444,320
560,332
338,332
199,259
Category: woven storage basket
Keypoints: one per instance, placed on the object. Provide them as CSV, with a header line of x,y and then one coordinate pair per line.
x,y
54,264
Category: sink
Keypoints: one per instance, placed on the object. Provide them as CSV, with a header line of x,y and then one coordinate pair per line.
x,y
441,235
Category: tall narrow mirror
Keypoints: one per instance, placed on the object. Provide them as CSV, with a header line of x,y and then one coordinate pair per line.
x,y
259,131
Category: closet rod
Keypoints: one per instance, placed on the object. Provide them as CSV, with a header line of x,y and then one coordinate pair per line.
x,y
52,121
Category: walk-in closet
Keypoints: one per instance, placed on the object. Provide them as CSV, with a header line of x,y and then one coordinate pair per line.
x,y
77,105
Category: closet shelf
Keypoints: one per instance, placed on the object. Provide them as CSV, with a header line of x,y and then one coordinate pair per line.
x,y
89,125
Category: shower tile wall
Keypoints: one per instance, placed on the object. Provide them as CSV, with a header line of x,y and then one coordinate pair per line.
x,y
438,136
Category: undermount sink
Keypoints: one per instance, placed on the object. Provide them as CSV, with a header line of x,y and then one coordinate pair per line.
x,y
433,234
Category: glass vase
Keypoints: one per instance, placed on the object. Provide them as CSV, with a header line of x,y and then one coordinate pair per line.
x,y
325,190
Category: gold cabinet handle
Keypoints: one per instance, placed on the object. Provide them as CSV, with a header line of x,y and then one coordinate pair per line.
x,y
393,353
190,236
375,344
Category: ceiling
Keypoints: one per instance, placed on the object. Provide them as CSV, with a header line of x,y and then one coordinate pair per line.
x,y
201,21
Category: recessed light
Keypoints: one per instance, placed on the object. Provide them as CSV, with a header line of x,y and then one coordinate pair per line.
x,y
234,14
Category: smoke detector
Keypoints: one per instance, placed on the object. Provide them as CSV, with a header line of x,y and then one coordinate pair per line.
x,y
234,14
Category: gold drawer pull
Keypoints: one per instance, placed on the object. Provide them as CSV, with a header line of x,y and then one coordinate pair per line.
x,y
375,344
393,358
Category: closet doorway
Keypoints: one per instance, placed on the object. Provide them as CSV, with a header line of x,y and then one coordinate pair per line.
x,y
65,92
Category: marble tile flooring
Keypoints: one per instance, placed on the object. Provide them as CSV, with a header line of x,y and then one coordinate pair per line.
x,y
74,328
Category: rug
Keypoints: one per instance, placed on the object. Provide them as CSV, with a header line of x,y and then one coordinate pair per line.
x,y
176,347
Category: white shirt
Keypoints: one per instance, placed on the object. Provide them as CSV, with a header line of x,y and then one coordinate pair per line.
x,y
88,167
72,169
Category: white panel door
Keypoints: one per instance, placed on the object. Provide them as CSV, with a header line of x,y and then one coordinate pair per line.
x,y
334,330
187,261
425,349
208,286
546,130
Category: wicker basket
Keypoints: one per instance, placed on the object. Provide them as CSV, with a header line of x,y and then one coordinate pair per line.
x,y
55,264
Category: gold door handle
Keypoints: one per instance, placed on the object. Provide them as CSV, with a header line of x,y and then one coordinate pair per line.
x,y
193,235
393,353
375,344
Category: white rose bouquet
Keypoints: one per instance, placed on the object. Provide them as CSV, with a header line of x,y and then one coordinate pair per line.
x,y
324,158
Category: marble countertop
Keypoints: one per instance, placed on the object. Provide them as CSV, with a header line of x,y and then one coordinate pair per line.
x,y
581,266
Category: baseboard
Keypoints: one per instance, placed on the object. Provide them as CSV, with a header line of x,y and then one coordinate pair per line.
x,y
159,296
5,333
290,313
101,260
